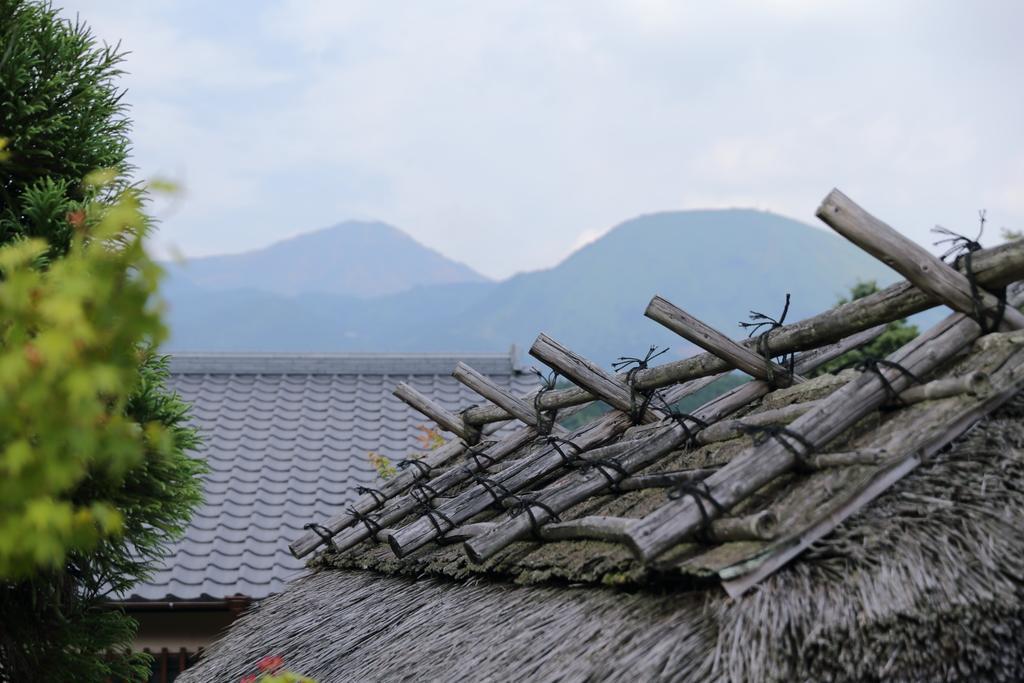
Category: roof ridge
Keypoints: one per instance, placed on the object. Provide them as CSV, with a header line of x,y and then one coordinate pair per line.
x,y
286,363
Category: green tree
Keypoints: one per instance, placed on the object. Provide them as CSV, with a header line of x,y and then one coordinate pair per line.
x,y
896,334
93,449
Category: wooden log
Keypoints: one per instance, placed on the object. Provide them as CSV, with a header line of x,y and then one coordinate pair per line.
x,y
546,460
909,259
402,506
590,376
760,464
492,454
486,387
708,338
912,446
993,268
761,526
582,486
973,383
863,456
367,503
730,429
665,479
446,419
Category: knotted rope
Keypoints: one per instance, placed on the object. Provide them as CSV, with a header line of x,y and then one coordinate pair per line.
x,y
760,320
326,537
787,438
545,423
875,365
635,365
963,248
700,493
378,496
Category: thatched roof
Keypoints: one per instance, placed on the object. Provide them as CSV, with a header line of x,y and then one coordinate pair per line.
x,y
925,585
853,543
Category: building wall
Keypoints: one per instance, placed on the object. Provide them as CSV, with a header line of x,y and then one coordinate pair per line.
x,y
189,629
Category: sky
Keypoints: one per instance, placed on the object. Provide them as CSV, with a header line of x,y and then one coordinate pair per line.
x,y
507,134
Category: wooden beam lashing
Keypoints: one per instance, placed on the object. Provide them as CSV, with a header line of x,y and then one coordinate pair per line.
x,y
910,260
447,420
475,499
761,464
368,503
546,460
711,340
634,459
591,377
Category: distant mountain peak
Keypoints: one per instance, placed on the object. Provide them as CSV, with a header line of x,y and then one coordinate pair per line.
x,y
353,258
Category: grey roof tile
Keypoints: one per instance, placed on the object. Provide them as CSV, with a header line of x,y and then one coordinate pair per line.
x,y
286,439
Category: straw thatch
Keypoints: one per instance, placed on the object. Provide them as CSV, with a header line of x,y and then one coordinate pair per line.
x,y
926,584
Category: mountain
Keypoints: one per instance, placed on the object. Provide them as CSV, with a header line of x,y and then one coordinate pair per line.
x,y
356,259
718,265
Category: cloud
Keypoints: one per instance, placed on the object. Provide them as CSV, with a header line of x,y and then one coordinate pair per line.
x,y
504,135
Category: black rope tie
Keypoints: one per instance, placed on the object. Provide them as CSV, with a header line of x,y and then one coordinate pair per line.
x,y
787,438
557,442
963,248
422,492
433,514
378,496
606,467
760,320
369,522
496,490
681,418
326,537
423,468
875,365
477,455
635,365
521,505
700,493
545,423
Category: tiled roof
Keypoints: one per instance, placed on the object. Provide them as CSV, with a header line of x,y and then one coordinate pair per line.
x,y
286,440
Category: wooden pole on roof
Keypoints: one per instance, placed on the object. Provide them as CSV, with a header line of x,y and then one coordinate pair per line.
x,y
369,502
634,459
590,376
993,268
912,261
755,467
350,533
760,526
547,459
486,387
760,464
446,419
711,340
